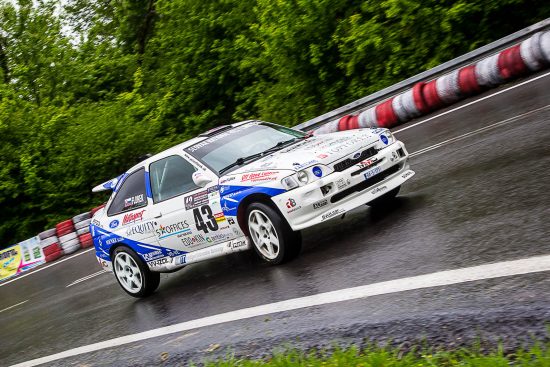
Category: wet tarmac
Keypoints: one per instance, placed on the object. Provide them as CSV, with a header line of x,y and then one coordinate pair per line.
x,y
480,199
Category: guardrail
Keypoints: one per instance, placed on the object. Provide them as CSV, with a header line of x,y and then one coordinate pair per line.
x,y
464,60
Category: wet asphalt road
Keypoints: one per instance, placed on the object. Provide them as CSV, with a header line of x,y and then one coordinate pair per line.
x,y
481,199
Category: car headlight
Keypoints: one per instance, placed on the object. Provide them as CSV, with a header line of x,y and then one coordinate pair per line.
x,y
387,137
302,177
305,176
290,182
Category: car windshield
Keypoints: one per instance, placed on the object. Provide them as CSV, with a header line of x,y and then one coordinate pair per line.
x,y
243,144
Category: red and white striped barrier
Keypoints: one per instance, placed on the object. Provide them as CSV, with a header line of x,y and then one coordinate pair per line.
x,y
530,55
50,245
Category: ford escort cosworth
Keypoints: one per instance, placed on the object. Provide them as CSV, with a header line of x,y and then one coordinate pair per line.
x,y
248,185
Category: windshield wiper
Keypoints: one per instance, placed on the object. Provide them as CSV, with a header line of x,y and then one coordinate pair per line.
x,y
241,161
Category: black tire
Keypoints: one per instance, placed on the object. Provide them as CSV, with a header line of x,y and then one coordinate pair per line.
x,y
289,242
385,199
149,280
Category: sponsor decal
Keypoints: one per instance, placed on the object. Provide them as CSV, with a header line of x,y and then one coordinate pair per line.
x,y
407,174
114,224
172,252
198,239
133,217
259,176
133,201
179,228
291,206
299,166
194,161
220,217
320,204
384,139
217,137
181,259
379,189
367,163
343,143
291,203
95,222
161,261
231,221
196,200
341,183
143,228
317,171
332,214
372,172
233,194
237,244
267,164
204,253
112,241
228,179
152,255
322,156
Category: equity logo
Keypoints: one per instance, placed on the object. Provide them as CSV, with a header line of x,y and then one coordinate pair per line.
x,y
291,203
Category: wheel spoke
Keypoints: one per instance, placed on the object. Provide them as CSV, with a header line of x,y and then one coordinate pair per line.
x,y
270,248
259,218
120,262
255,228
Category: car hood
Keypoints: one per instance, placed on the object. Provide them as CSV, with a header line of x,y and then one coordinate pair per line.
x,y
322,149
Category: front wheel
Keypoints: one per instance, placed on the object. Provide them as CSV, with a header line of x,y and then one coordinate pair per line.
x,y
273,239
385,199
132,273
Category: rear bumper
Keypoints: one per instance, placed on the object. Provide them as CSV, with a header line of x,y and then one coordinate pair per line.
x,y
346,190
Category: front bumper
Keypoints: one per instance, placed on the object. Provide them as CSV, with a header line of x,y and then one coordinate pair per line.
x,y
339,192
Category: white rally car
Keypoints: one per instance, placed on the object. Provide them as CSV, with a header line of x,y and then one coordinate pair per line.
x,y
250,184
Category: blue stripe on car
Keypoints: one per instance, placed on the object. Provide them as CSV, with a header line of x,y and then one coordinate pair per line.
x,y
231,196
105,240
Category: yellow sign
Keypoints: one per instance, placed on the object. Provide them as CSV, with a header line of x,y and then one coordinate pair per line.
x,y
10,260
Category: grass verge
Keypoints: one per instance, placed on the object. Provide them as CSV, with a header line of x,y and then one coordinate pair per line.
x,y
536,356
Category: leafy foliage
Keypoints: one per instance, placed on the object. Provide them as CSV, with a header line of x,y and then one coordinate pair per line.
x,y
87,86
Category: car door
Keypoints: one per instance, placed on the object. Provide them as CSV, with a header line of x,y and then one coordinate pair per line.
x,y
189,217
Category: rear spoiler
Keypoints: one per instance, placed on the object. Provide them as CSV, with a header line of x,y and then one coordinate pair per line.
x,y
108,185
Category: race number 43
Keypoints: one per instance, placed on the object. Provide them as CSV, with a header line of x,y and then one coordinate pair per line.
x,y
202,224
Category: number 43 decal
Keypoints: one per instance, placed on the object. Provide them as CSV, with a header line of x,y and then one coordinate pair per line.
x,y
210,220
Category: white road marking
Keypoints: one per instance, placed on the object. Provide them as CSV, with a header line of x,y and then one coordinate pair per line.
x,y
86,278
9,308
488,127
442,278
473,102
45,267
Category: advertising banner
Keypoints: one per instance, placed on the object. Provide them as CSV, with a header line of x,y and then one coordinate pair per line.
x,y
21,257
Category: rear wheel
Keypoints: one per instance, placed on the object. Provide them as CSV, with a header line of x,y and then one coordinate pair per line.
x,y
385,199
273,239
132,273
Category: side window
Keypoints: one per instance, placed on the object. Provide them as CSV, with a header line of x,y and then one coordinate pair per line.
x,y
130,195
170,177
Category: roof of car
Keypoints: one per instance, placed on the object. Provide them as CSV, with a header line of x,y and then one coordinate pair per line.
x,y
179,148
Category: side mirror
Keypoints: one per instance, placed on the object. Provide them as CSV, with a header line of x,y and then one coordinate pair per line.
x,y
201,179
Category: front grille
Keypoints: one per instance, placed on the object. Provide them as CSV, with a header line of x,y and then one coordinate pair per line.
x,y
365,184
347,163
